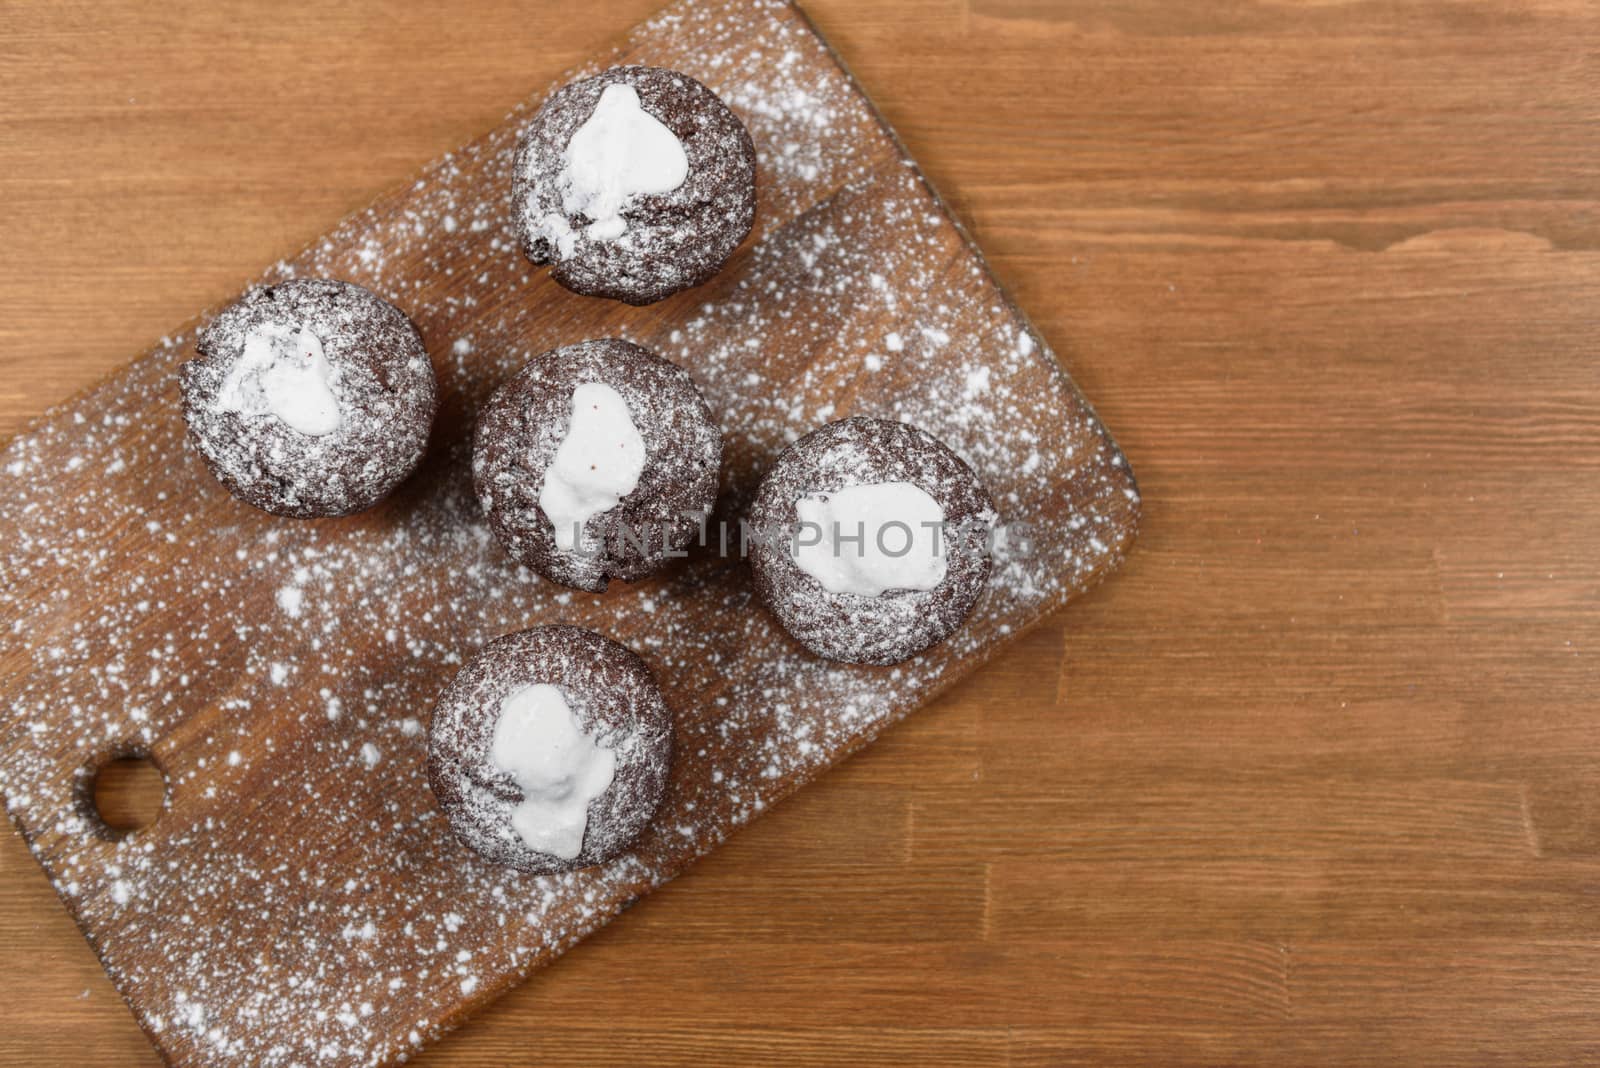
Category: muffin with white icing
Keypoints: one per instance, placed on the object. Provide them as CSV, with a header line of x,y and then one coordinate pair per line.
x,y
310,398
869,540
634,184
550,749
597,461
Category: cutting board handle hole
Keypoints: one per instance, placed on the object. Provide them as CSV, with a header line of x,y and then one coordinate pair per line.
x,y
127,794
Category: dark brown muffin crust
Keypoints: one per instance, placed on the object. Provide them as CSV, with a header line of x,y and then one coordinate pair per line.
x,y
899,623
674,240
386,397
614,698
523,424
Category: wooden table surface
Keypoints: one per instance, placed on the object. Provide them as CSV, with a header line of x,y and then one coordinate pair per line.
x,y
1312,781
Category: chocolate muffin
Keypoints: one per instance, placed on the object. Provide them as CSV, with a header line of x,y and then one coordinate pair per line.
x,y
310,398
597,461
634,184
550,749
869,540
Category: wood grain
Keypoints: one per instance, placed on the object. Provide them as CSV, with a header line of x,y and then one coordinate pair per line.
x,y
1311,782
299,898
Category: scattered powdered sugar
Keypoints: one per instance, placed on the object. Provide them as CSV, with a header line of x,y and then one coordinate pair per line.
x,y
291,599
142,608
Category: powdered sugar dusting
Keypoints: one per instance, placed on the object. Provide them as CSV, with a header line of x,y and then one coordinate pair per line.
x,y
614,702
688,171
310,398
291,600
140,607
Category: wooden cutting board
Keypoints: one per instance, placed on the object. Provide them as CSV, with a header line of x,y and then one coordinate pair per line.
x,y
299,899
